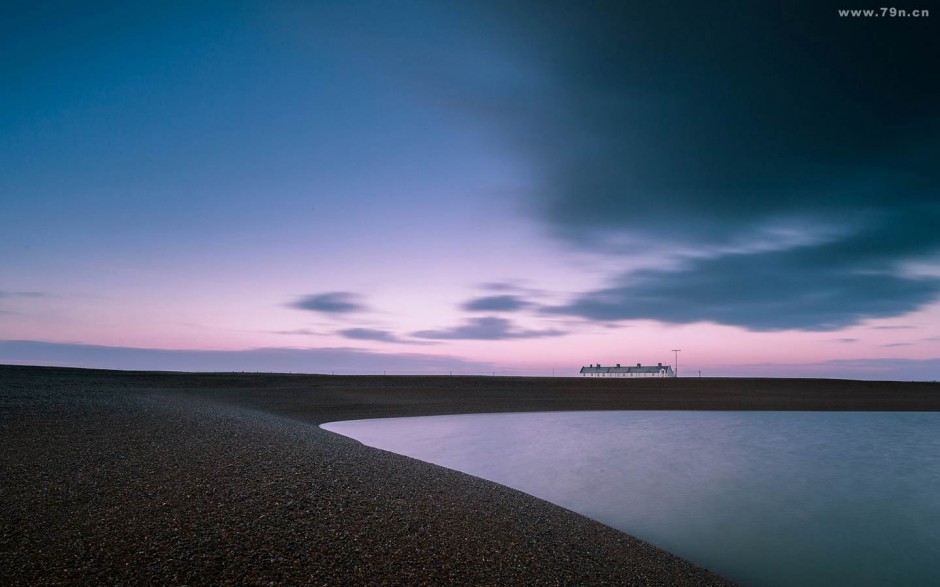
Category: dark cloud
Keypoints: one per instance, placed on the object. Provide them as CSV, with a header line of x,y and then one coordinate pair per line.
x,y
511,287
769,291
736,135
900,327
500,303
348,361
897,344
847,340
487,328
337,302
690,119
370,334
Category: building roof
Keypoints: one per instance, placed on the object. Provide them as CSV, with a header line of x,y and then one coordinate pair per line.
x,y
647,369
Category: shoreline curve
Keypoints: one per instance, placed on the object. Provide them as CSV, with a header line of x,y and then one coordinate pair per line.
x,y
143,477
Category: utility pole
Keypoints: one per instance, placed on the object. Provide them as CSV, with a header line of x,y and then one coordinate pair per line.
x,y
676,351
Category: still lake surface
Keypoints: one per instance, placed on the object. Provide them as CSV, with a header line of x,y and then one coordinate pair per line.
x,y
762,498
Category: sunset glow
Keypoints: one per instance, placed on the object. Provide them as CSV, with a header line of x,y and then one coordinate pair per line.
x,y
481,188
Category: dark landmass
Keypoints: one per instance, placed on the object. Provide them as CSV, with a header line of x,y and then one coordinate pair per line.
x,y
114,477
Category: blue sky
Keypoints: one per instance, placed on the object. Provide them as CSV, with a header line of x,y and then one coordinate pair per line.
x,y
509,187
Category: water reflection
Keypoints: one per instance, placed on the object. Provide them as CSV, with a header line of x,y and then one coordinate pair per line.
x,y
764,498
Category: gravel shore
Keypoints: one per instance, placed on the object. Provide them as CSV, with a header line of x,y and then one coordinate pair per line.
x,y
133,478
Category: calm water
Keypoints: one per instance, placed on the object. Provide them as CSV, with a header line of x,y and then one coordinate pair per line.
x,y
763,498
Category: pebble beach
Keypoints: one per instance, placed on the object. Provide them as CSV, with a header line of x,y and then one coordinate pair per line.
x,y
112,477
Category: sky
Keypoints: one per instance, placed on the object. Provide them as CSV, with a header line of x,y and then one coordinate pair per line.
x,y
512,187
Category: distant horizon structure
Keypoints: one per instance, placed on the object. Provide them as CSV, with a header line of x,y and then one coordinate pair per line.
x,y
639,370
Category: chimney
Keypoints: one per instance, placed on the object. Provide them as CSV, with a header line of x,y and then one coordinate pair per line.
x,y
618,365
639,365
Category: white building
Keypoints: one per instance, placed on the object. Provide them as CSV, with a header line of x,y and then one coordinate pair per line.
x,y
658,370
